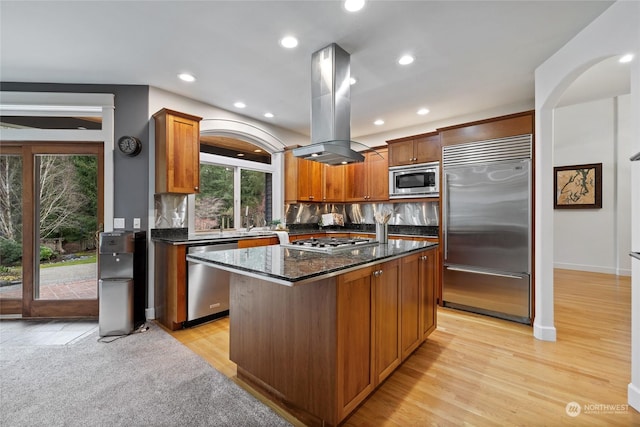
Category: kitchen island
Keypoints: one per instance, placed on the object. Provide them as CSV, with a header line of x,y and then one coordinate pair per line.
x,y
318,332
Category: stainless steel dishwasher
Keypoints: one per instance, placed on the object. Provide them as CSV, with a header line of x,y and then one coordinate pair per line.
x,y
207,287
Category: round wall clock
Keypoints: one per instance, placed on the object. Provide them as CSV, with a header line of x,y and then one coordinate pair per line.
x,y
130,145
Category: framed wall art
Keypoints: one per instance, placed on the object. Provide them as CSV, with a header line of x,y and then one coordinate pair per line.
x,y
578,187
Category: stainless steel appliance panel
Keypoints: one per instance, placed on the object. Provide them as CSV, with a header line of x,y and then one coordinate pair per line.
x,y
116,265
422,180
207,287
500,294
116,307
487,216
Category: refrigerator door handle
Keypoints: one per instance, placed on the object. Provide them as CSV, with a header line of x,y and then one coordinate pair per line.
x,y
445,213
468,270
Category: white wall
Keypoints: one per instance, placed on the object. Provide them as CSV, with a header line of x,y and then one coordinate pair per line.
x,y
597,240
614,33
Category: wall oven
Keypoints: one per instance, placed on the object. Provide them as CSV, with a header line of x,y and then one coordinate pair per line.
x,y
421,180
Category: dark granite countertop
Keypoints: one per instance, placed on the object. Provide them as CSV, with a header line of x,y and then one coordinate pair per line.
x,y
180,236
292,267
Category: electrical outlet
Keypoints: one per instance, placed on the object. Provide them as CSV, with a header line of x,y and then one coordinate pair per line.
x,y
136,223
118,223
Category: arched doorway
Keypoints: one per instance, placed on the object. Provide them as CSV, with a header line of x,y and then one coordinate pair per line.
x,y
615,32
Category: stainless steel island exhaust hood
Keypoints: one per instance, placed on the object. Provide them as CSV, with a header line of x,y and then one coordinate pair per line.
x,y
330,109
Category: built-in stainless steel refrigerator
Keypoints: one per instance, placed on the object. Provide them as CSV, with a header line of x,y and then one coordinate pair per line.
x,y
486,224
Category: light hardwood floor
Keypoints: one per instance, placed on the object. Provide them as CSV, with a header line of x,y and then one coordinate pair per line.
x,y
476,370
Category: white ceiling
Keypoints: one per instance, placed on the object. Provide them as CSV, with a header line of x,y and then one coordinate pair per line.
x,y
471,56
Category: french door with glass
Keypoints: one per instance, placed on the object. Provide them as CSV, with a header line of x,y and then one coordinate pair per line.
x,y
51,208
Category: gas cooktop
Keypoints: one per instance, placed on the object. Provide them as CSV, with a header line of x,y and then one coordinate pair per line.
x,y
330,244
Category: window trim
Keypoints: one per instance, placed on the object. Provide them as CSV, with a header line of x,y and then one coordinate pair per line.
x,y
238,165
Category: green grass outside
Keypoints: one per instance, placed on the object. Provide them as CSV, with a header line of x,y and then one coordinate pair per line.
x,y
15,273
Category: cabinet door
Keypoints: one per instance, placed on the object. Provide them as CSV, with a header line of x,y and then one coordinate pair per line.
x,y
334,188
378,175
290,177
177,152
354,368
428,149
410,302
387,319
428,261
355,178
310,180
401,153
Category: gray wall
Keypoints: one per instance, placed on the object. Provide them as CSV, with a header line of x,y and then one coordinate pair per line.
x,y
131,174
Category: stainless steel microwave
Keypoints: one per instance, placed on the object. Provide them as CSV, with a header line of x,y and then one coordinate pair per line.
x,y
421,180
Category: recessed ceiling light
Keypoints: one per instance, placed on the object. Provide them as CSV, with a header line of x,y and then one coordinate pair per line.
x,y
268,115
423,111
344,162
626,58
378,122
186,77
353,80
239,104
353,5
289,42
257,150
240,154
406,60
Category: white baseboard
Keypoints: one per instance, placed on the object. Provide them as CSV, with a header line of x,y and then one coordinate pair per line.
x,y
633,396
544,333
150,313
593,269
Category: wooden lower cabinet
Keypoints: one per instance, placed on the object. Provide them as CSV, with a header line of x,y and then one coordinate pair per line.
x,y
386,319
261,241
320,349
368,339
428,273
354,364
170,288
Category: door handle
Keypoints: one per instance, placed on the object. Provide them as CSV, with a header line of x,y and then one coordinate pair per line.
x,y
486,273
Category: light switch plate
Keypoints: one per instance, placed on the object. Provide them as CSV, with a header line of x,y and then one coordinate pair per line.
x,y
118,223
136,223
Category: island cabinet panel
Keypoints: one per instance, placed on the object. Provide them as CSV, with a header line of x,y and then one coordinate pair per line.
x,y
170,285
411,335
283,340
386,315
355,371
177,152
428,291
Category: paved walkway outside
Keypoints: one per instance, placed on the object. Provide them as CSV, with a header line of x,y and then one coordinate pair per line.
x,y
62,282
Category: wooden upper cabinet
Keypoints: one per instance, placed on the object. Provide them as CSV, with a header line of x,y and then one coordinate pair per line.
x,y
414,149
304,179
334,188
368,180
177,152
310,180
483,130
